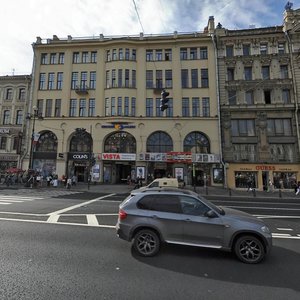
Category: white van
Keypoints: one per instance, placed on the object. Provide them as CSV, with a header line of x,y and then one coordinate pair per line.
x,y
161,182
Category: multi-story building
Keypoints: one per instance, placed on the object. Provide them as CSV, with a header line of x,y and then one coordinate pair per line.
x,y
100,100
14,97
259,106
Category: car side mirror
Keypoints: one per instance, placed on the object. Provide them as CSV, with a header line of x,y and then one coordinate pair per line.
x,y
211,214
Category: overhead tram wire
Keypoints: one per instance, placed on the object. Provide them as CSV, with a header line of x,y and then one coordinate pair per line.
x,y
137,13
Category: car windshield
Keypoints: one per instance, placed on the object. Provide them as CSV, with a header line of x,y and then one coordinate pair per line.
x,y
216,208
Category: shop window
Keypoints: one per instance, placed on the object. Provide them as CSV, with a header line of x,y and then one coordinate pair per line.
x,y
245,179
284,180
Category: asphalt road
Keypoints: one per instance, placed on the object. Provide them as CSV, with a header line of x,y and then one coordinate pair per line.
x,y
43,257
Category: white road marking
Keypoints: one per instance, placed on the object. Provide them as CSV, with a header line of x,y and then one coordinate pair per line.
x,y
276,217
61,211
261,208
285,229
53,219
12,201
92,220
4,203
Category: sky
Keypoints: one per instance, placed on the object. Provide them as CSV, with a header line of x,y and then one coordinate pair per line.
x,y
21,21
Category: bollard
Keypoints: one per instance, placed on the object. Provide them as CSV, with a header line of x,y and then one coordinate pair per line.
x,y
254,192
229,191
206,190
280,195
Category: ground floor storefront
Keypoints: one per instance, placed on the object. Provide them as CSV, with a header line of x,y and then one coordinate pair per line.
x,y
262,177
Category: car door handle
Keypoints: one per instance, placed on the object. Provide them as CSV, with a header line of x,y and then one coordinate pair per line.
x,y
154,216
187,220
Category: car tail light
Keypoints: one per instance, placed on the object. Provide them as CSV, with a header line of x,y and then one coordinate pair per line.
x,y
122,214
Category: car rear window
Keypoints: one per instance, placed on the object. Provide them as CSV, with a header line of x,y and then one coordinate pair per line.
x,y
163,203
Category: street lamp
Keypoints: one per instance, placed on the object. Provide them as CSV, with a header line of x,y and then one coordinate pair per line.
x,y
35,115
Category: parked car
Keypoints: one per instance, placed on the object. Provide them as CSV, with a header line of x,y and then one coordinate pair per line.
x,y
165,215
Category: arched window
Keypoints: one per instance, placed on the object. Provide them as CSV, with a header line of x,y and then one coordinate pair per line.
x,y
196,142
160,142
81,142
47,142
120,142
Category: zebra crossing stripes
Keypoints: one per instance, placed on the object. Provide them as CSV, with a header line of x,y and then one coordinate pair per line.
x,y
7,200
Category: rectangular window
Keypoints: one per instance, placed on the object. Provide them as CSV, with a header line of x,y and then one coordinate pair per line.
x,y
284,73
52,58
42,81
263,48
183,53
82,108
74,80
40,106
126,78
246,49
83,80
149,107
51,81
159,79
93,56
3,142
184,78
92,107
149,55
121,56
76,58
267,96
57,108
249,97
243,127
194,76
169,79
149,79
230,74
169,111
113,106
114,54
286,98
193,53
120,74
59,84
127,54
248,73
107,80
73,108
204,78
281,48
133,54
205,107
92,80
279,127
107,107
61,58
195,107
265,72
19,118
203,53
48,112
108,55
168,54
232,97
9,94
158,54
113,78
6,117
22,94
229,51
126,106
185,107
245,152
44,59
85,57
133,106
119,110
159,113
133,78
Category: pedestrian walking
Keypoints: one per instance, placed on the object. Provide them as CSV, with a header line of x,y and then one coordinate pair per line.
x,y
270,186
298,188
69,183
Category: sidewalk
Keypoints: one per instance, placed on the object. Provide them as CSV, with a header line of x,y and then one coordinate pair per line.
x,y
204,191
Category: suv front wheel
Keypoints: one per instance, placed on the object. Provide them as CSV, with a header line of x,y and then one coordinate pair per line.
x,y
146,242
249,249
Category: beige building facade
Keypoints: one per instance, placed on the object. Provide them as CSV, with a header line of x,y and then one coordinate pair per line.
x,y
14,99
100,102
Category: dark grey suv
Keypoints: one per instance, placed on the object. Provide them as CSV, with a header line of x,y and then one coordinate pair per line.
x,y
182,217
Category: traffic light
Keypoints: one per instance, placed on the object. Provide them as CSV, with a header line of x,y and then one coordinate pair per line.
x,y
164,100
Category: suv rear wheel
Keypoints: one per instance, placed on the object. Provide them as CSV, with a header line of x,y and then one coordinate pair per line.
x,y
146,242
249,249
